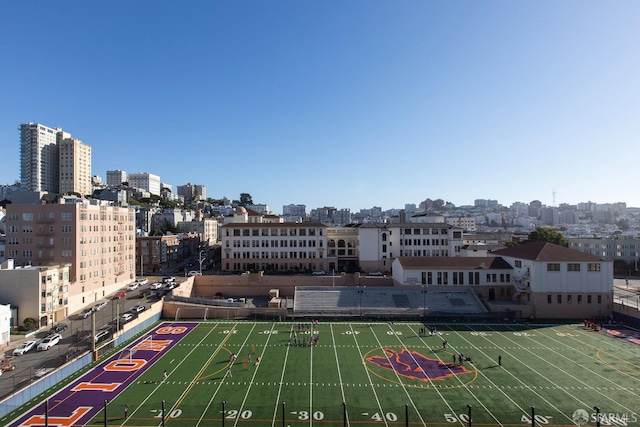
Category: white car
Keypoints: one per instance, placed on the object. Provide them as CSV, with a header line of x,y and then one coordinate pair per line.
x,y
24,348
133,286
142,282
86,313
99,306
195,273
156,285
138,308
49,342
127,317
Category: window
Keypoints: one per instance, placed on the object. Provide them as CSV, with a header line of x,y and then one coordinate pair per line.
x,y
599,299
518,263
579,299
569,299
573,267
548,299
552,266
588,299
593,266
559,299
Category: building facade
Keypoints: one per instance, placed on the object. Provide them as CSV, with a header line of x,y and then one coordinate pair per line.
x,y
39,157
96,238
560,282
380,244
145,181
207,228
42,294
116,178
270,246
74,167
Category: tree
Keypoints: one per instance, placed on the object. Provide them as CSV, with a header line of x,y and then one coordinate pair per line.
x,y
245,199
547,234
30,323
623,224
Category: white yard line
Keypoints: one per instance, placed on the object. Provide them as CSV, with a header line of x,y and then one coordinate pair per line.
x,y
284,365
215,393
564,344
373,389
335,351
602,338
181,362
497,387
507,396
255,372
604,395
459,381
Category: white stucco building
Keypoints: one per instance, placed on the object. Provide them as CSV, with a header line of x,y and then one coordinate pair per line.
x,y
380,244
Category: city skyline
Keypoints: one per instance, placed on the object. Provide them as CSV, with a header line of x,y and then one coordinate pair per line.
x,y
354,105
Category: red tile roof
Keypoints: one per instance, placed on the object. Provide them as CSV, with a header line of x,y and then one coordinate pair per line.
x,y
544,251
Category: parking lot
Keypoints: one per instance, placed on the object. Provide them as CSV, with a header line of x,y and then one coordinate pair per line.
x,y
76,336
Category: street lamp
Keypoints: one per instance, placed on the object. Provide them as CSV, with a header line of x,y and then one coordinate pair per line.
x,y
423,291
200,259
360,292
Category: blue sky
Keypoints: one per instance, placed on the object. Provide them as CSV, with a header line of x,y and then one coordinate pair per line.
x,y
347,104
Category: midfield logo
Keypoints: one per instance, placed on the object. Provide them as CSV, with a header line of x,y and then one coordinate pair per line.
x,y
411,364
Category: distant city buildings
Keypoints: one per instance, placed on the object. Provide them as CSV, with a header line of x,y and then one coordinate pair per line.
x,y
52,161
74,166
116,178
145,181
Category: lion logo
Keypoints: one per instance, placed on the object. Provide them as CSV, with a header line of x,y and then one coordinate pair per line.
x,y
413,365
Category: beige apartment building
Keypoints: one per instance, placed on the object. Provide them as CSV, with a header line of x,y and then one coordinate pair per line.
x,y
74,166
97,239
273,246
42,294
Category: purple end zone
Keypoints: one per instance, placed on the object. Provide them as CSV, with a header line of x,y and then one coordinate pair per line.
x,y
623,332
80,401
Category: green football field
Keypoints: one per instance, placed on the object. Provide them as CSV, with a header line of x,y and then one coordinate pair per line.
x,y
374,374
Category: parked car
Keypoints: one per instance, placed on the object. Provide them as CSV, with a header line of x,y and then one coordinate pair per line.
x,y
58,328
127,317
376,273
194,273
156,285
99,306
138,308
86,313
49,342
145,293
168,279
133,286
24,348
101,335
142,281
120,294
319,273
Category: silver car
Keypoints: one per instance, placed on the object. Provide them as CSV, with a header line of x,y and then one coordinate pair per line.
x,y
49,342
24,348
